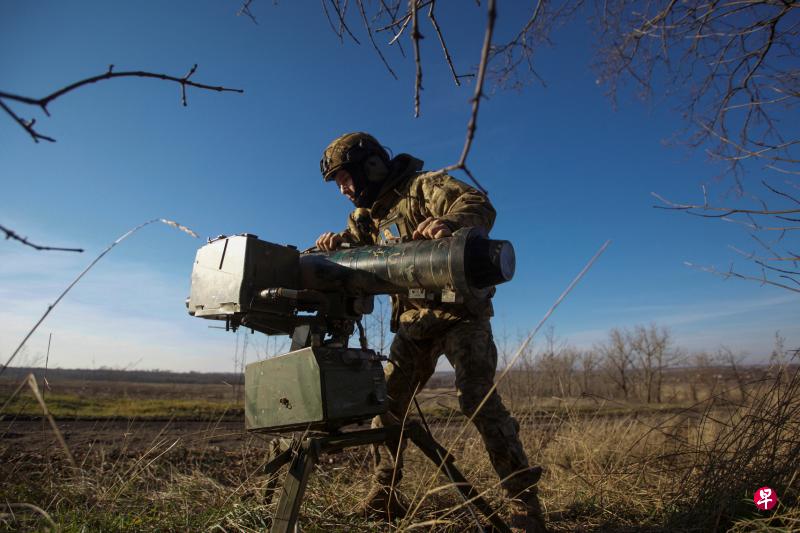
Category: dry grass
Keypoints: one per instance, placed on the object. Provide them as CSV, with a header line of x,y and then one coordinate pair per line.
x,y
689,469
71,406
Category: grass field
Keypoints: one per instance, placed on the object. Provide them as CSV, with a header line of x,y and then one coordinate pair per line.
x,y
174,457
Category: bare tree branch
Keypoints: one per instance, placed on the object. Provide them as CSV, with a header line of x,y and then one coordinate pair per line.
x,y
415,37
397,23
519,50
780,193
245,10
12,235
392,14
726,211
341,12
45,101
372,39
783,170
396,38
739,57
441,41
760,261
402,21
754,223
26,125
733,274
472,125
330,21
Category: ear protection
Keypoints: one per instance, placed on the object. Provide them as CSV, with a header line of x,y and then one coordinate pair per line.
x,y
374,167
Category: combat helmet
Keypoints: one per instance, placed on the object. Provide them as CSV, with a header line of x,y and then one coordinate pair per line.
x,y
363,157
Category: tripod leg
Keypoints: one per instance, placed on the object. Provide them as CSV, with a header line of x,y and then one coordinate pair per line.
x,y
293,489
440,457
278,459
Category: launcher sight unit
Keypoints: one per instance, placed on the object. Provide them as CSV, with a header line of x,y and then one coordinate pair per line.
x,y
317,298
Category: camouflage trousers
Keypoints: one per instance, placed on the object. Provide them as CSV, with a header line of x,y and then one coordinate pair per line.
x,y
470,348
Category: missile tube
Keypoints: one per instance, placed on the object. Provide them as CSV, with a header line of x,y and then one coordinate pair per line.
x,y
467,262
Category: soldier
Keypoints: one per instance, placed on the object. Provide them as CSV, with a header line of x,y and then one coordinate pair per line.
x,y
395,199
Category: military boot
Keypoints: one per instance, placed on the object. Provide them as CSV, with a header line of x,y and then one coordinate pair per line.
x,y
384,503
526,514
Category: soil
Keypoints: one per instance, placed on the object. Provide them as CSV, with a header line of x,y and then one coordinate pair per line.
x,y
124,436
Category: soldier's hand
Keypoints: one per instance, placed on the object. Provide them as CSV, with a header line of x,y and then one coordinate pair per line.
x,y
431,228
329,241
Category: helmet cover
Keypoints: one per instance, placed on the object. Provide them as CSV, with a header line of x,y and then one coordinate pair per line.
x,y
350,150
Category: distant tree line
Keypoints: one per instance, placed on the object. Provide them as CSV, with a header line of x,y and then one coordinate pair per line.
x,y
639,364
130,376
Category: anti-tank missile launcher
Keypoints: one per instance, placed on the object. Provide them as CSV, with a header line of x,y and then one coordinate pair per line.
x,y
316,298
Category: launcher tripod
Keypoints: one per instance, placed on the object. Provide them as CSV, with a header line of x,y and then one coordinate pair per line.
x,y
302,458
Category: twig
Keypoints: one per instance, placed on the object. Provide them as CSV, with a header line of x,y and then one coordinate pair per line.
x,y
732,274
42,103
526,50
725,210
761,261
342,12
780,193
400,31
752,257
403,21
372,39
472,125
330,21
783,170
415,37
10,234
393,15
83,273
245,10
441,41
28,126
342,23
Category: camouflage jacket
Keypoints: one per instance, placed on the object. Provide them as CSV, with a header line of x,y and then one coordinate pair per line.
x,y
408,198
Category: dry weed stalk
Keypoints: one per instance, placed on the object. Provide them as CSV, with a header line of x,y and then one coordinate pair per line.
x,y
30,381
35,509
759,443
530,337
85,271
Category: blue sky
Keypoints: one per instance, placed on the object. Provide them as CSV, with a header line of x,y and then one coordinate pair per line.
x,y
564,169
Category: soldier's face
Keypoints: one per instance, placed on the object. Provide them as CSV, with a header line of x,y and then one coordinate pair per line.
x,y
345,183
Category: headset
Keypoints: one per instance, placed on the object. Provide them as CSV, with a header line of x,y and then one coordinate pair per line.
x,y
366,153
372,164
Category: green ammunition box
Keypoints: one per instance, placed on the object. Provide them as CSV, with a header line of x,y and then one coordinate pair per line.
x,y
315,388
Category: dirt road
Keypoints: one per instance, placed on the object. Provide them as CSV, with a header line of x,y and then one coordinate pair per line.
x,y
126,436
